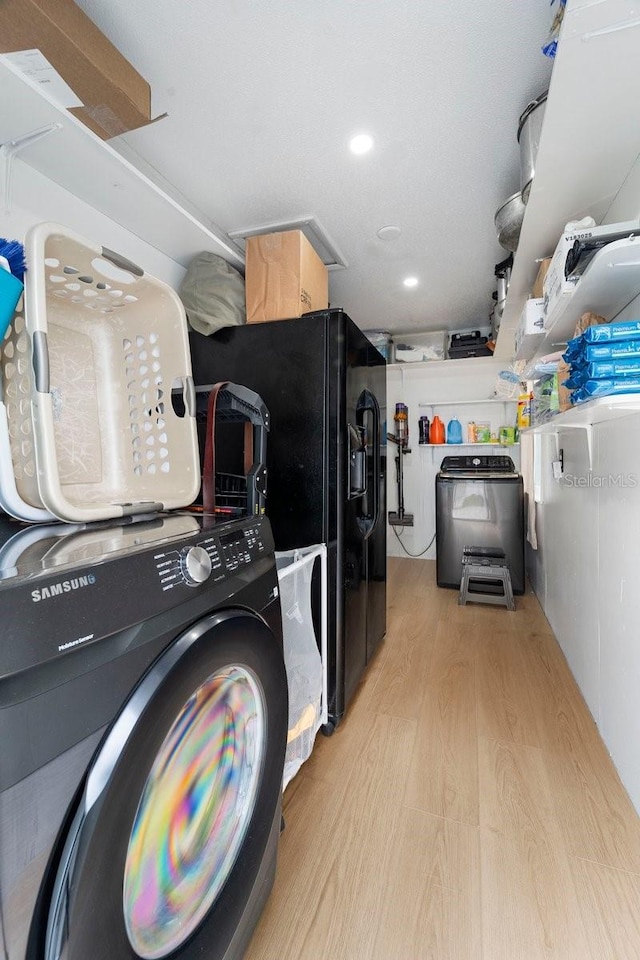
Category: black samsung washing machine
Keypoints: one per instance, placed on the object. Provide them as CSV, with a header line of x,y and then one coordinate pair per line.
x,y
143,724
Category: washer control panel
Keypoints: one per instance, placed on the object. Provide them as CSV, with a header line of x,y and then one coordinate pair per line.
x,y
212,558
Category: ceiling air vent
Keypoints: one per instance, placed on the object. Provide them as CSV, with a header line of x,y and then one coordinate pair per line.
x,y
313,231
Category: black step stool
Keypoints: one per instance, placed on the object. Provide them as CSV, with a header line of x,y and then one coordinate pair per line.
x,y
490,571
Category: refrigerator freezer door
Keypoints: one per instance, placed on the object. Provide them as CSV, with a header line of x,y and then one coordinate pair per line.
x,y
311,373
352,384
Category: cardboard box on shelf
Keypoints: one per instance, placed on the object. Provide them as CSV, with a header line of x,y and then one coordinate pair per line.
x,y
284,277
587,320
114,97
538,287
564,394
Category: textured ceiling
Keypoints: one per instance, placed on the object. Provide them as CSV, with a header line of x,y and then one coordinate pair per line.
x,y
263,97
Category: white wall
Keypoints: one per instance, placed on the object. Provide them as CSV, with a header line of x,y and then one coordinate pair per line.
x,y
440,381
585,574
34,198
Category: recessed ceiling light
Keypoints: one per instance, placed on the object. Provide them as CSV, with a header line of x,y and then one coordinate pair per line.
x,y
410,281
361,144
389,233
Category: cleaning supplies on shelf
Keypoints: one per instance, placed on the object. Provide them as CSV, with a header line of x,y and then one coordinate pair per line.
x,y
523,416
436,432
545,402
423,428
483,431
11,276
507,436
454,431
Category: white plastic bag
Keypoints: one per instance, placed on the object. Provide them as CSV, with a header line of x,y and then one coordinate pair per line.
x,y
302,656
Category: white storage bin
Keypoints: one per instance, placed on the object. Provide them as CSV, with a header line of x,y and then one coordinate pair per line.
x,y
92,428
304,661
418,347
382,341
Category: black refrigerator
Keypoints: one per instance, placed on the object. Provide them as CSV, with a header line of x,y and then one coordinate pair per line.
x,y
324,384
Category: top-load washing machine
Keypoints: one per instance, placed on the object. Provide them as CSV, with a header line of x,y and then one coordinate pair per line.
x,y
143,725
479,504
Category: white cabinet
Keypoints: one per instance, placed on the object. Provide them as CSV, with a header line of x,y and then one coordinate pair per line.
x,y
589,144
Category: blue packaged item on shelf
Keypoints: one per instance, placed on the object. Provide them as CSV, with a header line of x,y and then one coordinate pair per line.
x,y
622,349
573,350
612,386
605,332
602,369
576,379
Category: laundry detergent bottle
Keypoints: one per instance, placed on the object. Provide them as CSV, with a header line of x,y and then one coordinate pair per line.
x,y
454,431
436,431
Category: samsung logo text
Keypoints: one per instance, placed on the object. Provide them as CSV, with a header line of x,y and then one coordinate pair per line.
x,y
64,586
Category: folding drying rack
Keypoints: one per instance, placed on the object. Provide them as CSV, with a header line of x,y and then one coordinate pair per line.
x,y
234,494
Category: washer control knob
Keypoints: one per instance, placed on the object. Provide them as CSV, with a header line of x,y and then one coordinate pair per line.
x,y
195,564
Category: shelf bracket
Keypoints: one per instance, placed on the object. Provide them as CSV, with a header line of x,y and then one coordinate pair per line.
x,y
588,428
9,149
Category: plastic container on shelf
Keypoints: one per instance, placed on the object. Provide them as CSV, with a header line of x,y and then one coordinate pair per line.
x,y
454,431
93,430
483,431
420,347
305,660
382,341
436,431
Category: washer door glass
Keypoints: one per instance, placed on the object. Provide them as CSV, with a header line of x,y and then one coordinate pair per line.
x,y
169,846
194,811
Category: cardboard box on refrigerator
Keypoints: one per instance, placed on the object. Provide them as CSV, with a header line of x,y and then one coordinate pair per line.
x,y
284,277
114,97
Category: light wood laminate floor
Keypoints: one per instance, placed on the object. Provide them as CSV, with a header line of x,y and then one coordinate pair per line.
x,y
465,809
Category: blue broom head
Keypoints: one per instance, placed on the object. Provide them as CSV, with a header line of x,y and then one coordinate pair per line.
x,y
14,253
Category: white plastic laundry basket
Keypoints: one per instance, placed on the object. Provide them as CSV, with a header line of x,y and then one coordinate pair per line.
x,y
106,343
17,455
306,664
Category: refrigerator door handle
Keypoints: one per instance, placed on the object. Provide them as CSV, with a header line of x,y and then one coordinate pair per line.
x,y
357,461
367,403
